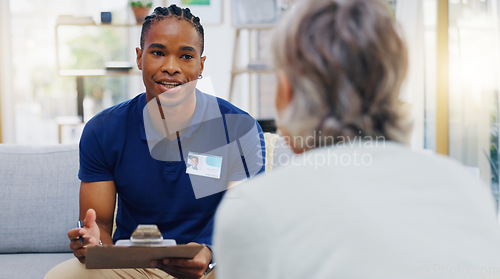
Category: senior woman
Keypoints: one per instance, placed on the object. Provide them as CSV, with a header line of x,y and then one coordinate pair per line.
x,y
356,202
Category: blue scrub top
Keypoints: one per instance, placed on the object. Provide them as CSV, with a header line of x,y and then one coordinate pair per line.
x,y
150,172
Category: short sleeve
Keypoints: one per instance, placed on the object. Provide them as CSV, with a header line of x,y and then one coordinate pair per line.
x,y
93,163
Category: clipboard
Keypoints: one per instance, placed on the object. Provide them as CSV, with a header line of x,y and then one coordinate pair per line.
x,y
106,257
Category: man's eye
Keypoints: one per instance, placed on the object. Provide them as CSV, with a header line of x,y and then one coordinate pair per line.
x,y
157,53
187,56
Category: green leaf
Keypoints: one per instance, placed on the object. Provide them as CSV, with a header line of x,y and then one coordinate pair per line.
x,y
141,3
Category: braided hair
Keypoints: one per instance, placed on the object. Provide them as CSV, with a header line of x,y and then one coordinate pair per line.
x,y
173,10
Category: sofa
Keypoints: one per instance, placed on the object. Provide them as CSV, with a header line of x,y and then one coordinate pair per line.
x,y
38,205
39,191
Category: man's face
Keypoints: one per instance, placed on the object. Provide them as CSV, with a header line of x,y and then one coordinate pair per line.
x,y
170,61
194,162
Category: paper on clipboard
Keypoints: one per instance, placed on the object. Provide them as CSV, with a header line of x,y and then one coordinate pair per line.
x,y
105,257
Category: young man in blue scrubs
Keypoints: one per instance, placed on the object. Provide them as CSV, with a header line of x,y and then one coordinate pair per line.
x,y
136,152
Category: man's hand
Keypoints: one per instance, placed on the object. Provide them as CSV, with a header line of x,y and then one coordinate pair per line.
x,y
90,234
186,268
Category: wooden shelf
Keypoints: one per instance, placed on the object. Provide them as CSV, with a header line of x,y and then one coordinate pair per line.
x,y
99,24
97,72
80,74
256,66
250,70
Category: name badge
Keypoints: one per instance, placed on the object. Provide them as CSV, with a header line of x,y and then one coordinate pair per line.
x,y
204,165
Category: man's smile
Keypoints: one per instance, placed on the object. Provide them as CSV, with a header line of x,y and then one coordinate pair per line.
x,y
169,84
164,85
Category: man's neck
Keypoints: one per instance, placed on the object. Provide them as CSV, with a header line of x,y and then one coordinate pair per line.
x,y
167,121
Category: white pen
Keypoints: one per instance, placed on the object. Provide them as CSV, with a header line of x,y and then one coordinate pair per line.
x,y
79,224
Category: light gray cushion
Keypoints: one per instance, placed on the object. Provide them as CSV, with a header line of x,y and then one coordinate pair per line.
x,y
30,266
38,197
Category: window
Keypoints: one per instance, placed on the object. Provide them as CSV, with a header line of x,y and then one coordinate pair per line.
x,y
40,95
474,85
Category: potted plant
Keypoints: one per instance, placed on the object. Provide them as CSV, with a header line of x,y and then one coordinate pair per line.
x,y
141,9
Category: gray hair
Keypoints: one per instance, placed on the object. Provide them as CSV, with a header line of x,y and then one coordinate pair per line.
x,y
345,62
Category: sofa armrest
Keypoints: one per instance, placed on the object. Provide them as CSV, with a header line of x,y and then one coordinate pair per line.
x,y
38,197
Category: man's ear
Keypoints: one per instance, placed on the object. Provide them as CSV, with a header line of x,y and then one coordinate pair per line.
x,y
202,64
138,53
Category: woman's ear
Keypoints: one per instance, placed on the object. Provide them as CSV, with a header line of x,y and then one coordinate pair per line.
x,y
138,53
284,96
284,92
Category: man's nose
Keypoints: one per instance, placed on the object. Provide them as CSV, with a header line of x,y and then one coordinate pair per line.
x,y
170,66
